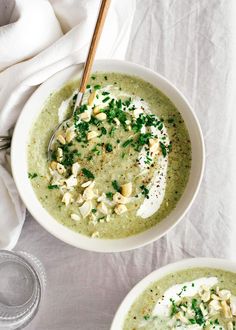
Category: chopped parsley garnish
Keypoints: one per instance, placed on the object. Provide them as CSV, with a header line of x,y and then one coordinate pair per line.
x,y
198,313
163,149
145,191
127,102
145,120
192,321
95,121
126,143
112,131
109,195
82,128
94,210
182,290
138,124
114,110
116,185
119,104
148,160
68,155
106,99
82,108
103,131
32,175
87,173
146,317
53,186
160,126
96,151
174,308
109,147
194,304
144,138
118,116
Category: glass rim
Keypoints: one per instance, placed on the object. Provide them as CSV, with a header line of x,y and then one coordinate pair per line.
x,y
19,315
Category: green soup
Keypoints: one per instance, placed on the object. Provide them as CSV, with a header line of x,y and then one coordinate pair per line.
x,y
205,299
122,163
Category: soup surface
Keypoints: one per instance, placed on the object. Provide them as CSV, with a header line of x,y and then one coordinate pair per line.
x,y
119,166
198,298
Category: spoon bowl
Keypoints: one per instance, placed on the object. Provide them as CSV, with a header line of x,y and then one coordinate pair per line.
x,y
61,126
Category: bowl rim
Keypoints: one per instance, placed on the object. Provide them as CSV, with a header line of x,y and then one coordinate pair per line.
x,y
188,263
102,245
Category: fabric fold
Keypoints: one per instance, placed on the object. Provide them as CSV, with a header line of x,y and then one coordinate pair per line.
x,y
20,80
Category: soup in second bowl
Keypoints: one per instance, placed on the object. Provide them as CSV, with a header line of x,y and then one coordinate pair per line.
x,y
197,298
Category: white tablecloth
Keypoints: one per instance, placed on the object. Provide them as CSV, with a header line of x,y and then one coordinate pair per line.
x,y
192,43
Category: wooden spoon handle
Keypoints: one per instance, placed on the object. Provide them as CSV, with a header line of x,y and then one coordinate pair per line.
x,y
94,43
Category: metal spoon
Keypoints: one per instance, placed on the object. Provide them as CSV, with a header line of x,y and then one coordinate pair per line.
x,y
86,71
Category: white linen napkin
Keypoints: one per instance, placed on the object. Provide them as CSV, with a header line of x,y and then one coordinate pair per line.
x,y
34,27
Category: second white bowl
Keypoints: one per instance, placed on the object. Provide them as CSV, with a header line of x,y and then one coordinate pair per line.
x,y
120,316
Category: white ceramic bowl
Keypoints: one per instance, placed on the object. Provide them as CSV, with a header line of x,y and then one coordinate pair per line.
x,y
139,288
31,111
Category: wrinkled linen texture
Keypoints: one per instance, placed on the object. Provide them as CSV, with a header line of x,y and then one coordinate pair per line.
x,y
192,43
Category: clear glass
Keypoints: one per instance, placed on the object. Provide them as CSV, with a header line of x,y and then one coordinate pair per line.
x,y
22,282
